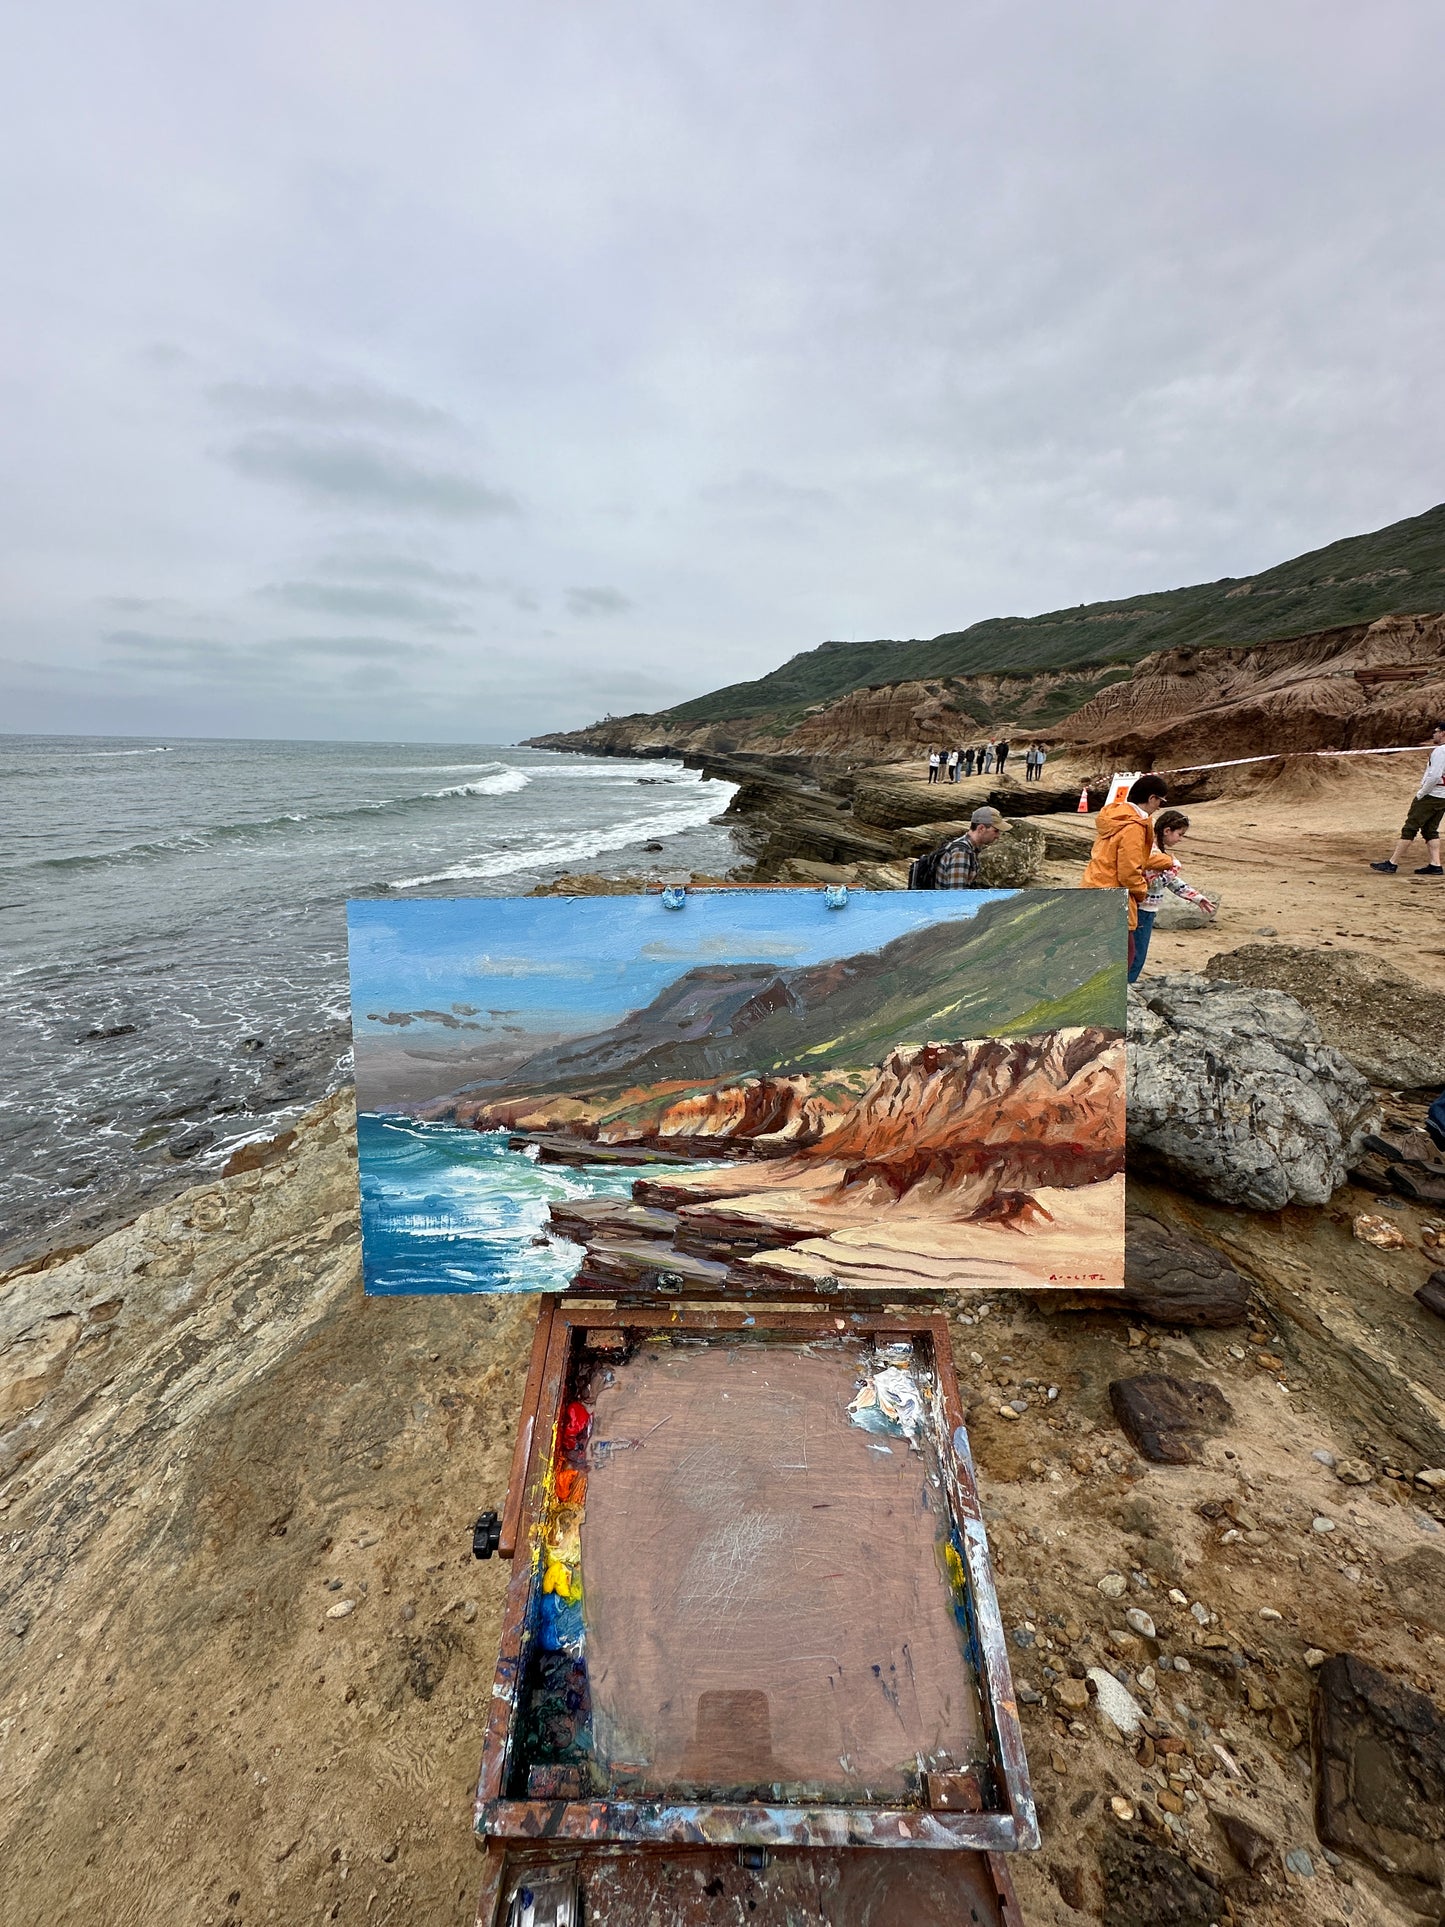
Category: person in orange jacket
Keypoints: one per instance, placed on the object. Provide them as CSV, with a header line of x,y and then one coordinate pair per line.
x,y
1123,853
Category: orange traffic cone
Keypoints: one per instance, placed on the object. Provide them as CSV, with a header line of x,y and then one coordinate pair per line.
x,y
1083,809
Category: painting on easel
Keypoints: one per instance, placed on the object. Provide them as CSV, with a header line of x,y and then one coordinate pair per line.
x,y
923,1091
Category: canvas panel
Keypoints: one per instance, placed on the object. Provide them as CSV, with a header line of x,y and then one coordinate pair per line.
x,y
922,1091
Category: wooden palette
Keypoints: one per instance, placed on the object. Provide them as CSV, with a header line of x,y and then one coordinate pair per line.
x,y
742,1612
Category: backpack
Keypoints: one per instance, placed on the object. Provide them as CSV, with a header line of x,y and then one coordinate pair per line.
x,y
923,870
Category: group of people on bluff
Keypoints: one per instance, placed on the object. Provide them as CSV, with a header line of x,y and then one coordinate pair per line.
x,y
987,759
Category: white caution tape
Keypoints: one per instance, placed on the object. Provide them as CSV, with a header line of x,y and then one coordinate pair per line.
x,y
1286,755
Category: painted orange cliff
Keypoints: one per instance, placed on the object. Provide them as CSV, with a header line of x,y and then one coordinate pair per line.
x,y
980,1163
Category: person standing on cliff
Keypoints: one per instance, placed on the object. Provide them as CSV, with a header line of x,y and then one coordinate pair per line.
x,y
953,766
1123,853
988,757
934,759
1000,754
956,867
1424,816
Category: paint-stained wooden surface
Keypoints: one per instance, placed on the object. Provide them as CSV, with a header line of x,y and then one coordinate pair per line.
x,y
815,1889
765,1594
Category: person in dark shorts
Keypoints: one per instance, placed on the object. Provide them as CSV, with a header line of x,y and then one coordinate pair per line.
x,y
1425,815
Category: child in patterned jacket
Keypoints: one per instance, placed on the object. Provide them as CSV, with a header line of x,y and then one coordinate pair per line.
x,y
1163,868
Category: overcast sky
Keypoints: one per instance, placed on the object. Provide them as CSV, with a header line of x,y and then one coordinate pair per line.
x,y
451,371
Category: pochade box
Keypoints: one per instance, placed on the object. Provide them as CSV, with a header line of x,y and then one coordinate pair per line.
x,y
744,1151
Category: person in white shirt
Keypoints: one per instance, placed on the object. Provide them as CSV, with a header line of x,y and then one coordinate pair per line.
x,y
1425,815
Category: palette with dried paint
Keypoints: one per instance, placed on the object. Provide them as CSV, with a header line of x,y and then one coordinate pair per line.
x,y
751,1604
711,1887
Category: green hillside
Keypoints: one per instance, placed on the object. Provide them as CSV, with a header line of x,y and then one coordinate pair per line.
x,y
1395,570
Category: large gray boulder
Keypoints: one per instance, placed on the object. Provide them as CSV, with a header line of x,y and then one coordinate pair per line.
x,y
1233,1094
1388,1025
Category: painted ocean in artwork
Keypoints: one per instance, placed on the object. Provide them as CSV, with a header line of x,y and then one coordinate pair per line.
x,y
920,1091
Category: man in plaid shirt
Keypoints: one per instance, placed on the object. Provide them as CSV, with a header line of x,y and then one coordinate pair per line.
x,y
957,866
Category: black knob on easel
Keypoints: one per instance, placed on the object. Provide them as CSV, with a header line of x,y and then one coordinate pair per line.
x,y
486,1535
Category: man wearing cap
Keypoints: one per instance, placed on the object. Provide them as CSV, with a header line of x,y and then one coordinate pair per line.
x,y
957,867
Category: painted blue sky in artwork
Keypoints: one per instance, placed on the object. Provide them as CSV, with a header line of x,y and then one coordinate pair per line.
x,y
577,965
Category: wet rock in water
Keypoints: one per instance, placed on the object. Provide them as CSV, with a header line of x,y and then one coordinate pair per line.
x,y
103,1033
1178,1280
1165,1417
1380,1770
186,1144
1384,1022
1432,1293
1233,1094
1147,1886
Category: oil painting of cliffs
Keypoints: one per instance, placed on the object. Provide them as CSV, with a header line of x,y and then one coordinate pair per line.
x,y
921,1092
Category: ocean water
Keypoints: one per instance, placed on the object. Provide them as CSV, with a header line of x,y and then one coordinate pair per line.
x,y
449,1209
172,930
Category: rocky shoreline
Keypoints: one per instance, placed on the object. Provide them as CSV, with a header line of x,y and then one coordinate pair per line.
x,y
236,1496
235,1493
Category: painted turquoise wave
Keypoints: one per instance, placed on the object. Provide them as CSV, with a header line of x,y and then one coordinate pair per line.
x,y
444,1209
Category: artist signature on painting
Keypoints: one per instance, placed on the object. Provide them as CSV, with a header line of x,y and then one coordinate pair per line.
x,y
1077,1278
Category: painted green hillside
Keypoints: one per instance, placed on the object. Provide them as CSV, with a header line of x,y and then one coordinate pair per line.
x,y
1035,961
1394,570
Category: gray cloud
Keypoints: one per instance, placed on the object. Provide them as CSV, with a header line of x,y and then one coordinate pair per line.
x,y
179,652
342,405
597,602
867,322
754,494
400,568
406,568
365,475
383,604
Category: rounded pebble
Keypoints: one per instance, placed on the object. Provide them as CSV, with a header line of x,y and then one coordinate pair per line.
x,y
1139,1621
1113,1585
341,1609
1322,1525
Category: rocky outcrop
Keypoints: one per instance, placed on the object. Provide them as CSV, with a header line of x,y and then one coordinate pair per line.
x,y
1178,1280
890,721
1387,1024
886,723
1363,686
1380,1774
1232,1093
